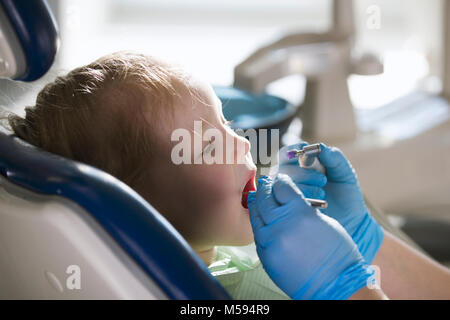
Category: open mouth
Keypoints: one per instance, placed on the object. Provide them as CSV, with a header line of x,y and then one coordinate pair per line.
x,y
250,186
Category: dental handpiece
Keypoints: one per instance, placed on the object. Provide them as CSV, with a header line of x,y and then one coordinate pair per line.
x,y
307,158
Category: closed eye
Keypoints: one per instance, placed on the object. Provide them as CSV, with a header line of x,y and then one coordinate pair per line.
x,y
208,147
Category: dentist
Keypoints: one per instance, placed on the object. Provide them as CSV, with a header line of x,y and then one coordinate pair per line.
x,y
312,254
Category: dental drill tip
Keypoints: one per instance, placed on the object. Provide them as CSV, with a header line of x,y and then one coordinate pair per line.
x,y
291,154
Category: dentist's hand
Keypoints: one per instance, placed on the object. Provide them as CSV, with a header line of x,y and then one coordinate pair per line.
x,y
306,253
343,194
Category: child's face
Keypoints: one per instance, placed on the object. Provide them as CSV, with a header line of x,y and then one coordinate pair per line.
x,y
203,201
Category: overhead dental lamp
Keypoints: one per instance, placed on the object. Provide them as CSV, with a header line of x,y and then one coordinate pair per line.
x,y
326,60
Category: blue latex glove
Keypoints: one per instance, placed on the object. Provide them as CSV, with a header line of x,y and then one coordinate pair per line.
x,y
306,253
343,194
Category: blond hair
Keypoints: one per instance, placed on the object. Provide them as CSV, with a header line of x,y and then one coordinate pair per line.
x,y
95,113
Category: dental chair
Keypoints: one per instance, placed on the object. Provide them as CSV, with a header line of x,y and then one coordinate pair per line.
x,y
69,230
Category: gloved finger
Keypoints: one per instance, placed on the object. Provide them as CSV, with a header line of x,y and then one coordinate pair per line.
x,y
265,201
285,191
303,175
264,237
260,229
311,191
338,167
296,208
282,154
261,250
255,218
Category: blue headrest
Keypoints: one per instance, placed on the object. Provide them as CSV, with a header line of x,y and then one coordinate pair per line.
x,y
32,35
134,224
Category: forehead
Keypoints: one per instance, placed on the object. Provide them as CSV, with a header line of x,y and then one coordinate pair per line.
x,y
199,102
205,94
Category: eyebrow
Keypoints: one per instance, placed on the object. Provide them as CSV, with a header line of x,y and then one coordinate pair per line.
x,y
222,117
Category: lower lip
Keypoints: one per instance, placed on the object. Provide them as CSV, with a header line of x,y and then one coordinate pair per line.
x,y
250,186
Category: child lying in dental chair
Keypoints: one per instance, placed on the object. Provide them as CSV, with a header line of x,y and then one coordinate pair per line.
x,y
119,114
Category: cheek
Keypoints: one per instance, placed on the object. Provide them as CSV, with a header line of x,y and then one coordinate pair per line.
x,y
214,184
209,205
222,213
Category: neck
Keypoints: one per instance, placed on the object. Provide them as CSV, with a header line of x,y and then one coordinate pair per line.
x,y
208,255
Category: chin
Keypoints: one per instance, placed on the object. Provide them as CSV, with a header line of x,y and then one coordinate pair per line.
x,y
246,235
248,241
239,232
240,242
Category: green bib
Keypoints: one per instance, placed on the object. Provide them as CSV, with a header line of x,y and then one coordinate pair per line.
x,y
240,272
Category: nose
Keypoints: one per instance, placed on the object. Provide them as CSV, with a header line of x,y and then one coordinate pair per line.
x,y
245,144
242,148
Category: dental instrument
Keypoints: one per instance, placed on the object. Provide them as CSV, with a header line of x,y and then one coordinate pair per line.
x,y
316,203
307,157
